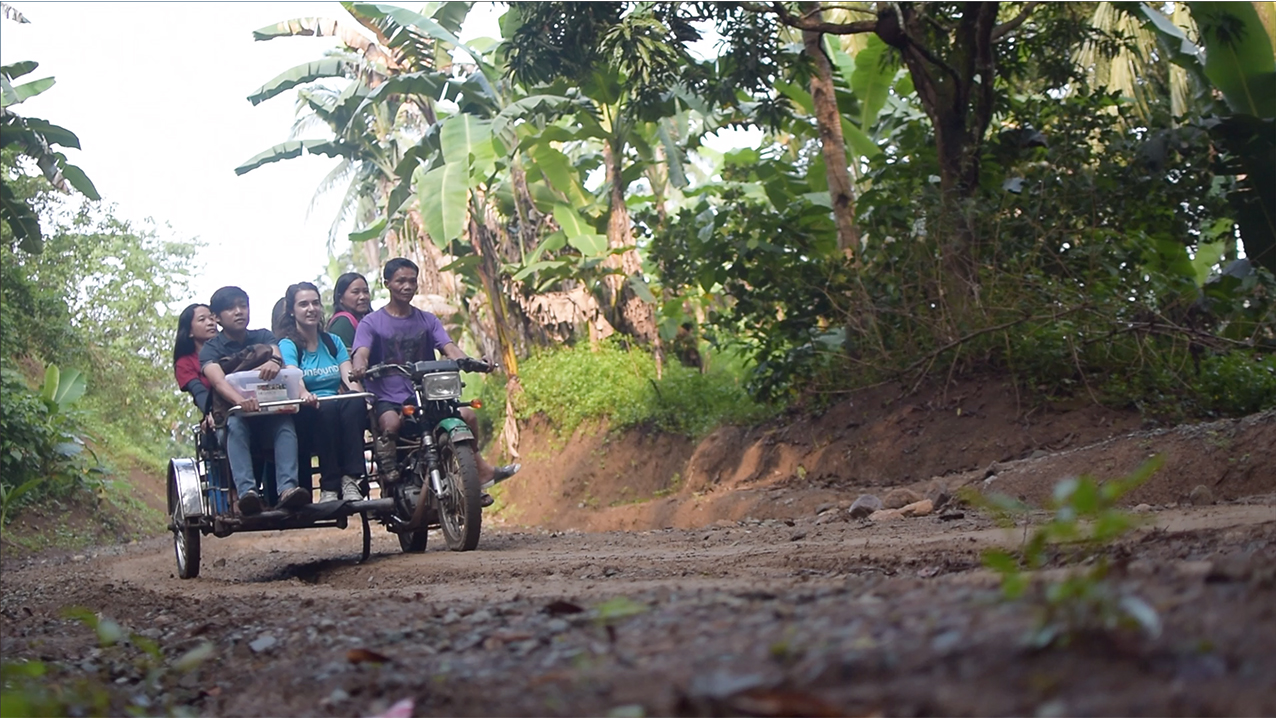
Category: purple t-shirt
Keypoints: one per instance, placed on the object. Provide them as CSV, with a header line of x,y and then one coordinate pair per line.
x,y
394,340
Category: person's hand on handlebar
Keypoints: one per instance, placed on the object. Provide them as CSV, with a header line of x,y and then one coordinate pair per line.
x,y
249,405
467,363
309,399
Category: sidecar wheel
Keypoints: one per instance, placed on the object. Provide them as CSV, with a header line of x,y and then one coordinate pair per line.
x,y
461,511
185,538
186,546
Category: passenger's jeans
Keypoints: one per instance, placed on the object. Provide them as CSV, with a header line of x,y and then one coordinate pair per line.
x,y
277,430
334,432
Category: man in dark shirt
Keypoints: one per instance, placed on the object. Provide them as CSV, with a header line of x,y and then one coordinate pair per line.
x,y
230,305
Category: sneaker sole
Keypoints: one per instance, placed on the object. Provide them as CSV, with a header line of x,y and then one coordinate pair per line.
x,y
294,499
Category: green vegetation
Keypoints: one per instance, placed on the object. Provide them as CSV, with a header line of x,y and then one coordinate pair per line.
x,y
575,384
908,214
33,139
90,310
41,452
37,688
1084,524
933,190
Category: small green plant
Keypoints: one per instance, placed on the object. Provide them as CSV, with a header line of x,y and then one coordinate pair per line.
x,y
1084,521
127,659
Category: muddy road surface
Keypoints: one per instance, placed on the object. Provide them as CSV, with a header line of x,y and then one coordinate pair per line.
x,y
814,614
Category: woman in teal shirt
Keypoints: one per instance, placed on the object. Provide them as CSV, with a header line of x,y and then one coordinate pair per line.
x,y
332,429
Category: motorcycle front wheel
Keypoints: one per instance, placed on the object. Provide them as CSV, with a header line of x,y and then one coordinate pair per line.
x,y
460,508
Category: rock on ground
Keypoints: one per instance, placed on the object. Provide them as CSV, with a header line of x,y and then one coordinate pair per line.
x,y
899,498
865,505
918,508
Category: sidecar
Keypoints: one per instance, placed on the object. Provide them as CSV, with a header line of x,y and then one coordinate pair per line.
x,y
202,501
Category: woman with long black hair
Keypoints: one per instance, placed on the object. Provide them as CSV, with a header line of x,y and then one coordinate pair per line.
x,y
195,326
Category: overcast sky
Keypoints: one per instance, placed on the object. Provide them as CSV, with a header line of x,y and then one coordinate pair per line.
x,y
156,93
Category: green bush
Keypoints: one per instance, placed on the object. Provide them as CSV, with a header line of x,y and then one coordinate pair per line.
x,y
42,453
574,384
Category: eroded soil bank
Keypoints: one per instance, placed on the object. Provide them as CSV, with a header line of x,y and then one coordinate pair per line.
x,y
745,588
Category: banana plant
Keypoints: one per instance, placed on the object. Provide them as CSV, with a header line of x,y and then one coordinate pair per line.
x,y
1236,58
391,82
35,138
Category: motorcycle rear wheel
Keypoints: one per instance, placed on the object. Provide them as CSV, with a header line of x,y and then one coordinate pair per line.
x,y
461,510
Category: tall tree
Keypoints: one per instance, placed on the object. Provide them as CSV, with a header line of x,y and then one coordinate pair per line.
x,y
951,51
626,64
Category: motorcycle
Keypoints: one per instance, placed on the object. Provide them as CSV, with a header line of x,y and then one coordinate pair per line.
x,y
437,458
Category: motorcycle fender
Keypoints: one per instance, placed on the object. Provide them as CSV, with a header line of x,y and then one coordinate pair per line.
x,y
183,477
456,429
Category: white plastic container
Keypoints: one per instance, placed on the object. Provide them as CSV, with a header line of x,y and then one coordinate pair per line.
x,y
287,384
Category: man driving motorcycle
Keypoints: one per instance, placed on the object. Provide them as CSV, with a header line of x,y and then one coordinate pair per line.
x,y
399,333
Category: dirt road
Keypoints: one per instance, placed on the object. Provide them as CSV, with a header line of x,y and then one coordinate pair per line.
x,y
809,615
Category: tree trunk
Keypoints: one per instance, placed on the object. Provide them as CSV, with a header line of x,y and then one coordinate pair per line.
x,y
957,93
489,270
483,237
629,312
829,122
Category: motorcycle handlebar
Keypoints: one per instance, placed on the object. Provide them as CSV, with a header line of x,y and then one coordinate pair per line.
x,y
468,364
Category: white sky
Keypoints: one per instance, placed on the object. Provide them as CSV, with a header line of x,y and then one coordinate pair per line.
x,y
156,93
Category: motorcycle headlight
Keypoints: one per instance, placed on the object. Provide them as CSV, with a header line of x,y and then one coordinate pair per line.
x,y
440,387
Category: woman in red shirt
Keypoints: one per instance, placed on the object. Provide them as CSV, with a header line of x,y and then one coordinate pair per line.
x,y
196,325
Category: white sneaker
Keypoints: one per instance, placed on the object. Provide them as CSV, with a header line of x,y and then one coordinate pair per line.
x,y
326,496
350,490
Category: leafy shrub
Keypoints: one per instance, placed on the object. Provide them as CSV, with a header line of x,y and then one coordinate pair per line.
x,y
1096,258
574,384
42,453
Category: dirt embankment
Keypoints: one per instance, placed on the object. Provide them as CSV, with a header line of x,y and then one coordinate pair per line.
x,y
979,434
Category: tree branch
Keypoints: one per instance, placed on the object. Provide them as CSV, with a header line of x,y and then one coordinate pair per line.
x,y
805,23
1009,26
849,8
987,330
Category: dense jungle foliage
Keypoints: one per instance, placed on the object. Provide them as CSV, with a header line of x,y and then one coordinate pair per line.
x,y
92,311
1075,196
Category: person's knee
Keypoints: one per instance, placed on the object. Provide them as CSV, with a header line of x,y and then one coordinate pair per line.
x,y
390,423
470,418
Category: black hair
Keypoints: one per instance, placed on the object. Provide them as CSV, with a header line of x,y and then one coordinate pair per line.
x,y
277,316
184,344
287,328
396,264
343,283
224,299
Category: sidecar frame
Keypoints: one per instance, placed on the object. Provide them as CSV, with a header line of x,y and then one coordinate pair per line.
x,y
201,499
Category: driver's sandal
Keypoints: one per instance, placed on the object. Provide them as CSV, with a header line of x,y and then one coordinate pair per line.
x,y
502,473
